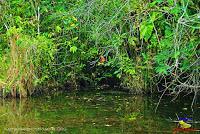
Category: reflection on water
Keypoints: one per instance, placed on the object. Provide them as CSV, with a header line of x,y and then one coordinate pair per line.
x,y
93,113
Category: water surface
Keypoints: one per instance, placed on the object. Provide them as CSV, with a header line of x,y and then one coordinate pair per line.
x,y
95,113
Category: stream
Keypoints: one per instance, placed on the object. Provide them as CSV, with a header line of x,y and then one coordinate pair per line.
x,y
98,112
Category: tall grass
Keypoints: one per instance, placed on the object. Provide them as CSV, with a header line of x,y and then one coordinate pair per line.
x,y
19,77
23,70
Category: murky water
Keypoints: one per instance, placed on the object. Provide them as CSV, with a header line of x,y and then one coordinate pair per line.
x,y
95,113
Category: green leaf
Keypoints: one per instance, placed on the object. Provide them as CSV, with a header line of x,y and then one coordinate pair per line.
x,y
58,29
152,4
131,41
170,2
73,49
155,16
75,39
162,69
166,43
18,42
119,75
146,30
168,31
159,1
175,11
176,54
93,51
131,71
117,71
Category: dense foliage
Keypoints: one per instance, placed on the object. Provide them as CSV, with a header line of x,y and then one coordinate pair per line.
x,y
143,43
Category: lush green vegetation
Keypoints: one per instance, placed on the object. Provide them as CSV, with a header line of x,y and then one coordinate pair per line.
x,y
140,44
